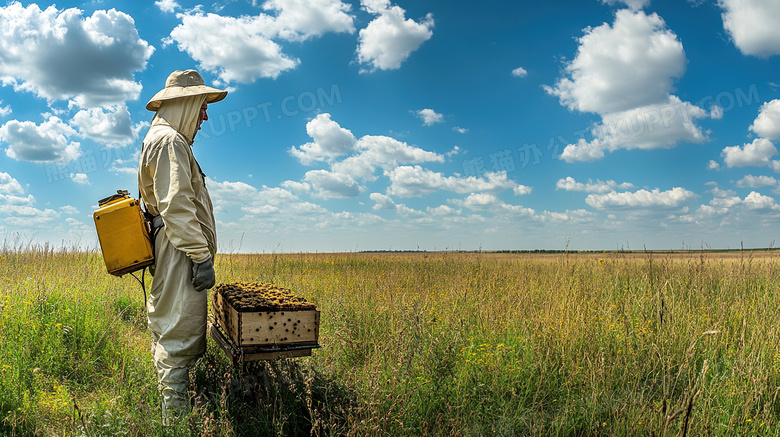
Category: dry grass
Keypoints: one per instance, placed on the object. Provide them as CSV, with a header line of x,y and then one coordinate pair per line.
x,y
418,344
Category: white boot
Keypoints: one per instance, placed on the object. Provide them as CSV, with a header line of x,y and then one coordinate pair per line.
x,y
175,406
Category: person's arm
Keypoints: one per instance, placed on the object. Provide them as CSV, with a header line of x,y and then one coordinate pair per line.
x,y
176,200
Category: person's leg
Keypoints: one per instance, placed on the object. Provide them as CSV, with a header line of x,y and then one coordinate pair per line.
x,y
177,320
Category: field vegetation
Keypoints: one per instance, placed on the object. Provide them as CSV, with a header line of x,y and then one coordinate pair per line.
x,y
414,344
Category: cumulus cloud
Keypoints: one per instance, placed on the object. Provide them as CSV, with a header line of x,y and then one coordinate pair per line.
x,y
731,207
519,72
80,178
263,202
330,141
384,202
750,181
630,64
490,202
243,49
390,38
599,186
235,49
414,181
47,142
167,5
378,151
60,55
429,117
365,155
9,185
756,200
328,184
752,25
756,154
625,73
110,126
656,198
5,110
767,124
648,127
633,4
298,20
69,209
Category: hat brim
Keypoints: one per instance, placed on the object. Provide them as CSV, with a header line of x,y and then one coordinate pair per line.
x,y
213,95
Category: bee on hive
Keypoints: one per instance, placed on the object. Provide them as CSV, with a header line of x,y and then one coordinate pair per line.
x,y
253,296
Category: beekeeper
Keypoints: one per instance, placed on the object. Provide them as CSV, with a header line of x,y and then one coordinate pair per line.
x,y
173,188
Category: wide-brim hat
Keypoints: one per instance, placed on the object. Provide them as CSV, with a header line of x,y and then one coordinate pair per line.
x,y
182,84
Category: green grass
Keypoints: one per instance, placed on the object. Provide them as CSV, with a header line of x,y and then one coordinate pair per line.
x,y
438,344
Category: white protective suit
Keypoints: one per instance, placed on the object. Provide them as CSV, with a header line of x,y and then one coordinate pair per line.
x,y
173,187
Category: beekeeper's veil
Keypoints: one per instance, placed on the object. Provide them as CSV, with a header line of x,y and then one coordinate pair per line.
x,y
178,104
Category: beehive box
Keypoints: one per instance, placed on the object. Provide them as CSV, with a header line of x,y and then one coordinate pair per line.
x,y
265,317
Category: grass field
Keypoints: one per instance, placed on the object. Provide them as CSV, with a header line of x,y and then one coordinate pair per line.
x,y
418,344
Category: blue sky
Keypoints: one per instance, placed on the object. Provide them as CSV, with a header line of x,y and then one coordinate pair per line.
x,y
436,125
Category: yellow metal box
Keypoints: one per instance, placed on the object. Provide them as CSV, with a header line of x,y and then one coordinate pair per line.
x,y
124,233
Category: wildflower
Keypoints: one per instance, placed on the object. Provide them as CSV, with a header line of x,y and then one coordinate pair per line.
x,y
602,261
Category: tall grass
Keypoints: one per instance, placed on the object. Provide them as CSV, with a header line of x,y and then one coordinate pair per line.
x,y
441,344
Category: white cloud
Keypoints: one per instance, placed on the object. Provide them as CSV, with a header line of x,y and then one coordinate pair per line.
x,y
167,5
60,55
299,20
625,73
519,72
9,185
757,154
296,186
460,130
69,209
111,126
716,113
767,124
752,25
45,143
235,49
390,38
648,127
730,206
330,141
633,4
489,202
412,181
9,201
383,152
226,194
5,110
569,184
326,184
243,49
627,65
429,117
756,200
28,216
365,156
713,165
80,178
382,201
750,181
656,198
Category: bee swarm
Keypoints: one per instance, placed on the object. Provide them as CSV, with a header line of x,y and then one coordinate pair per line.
x,y
253,296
